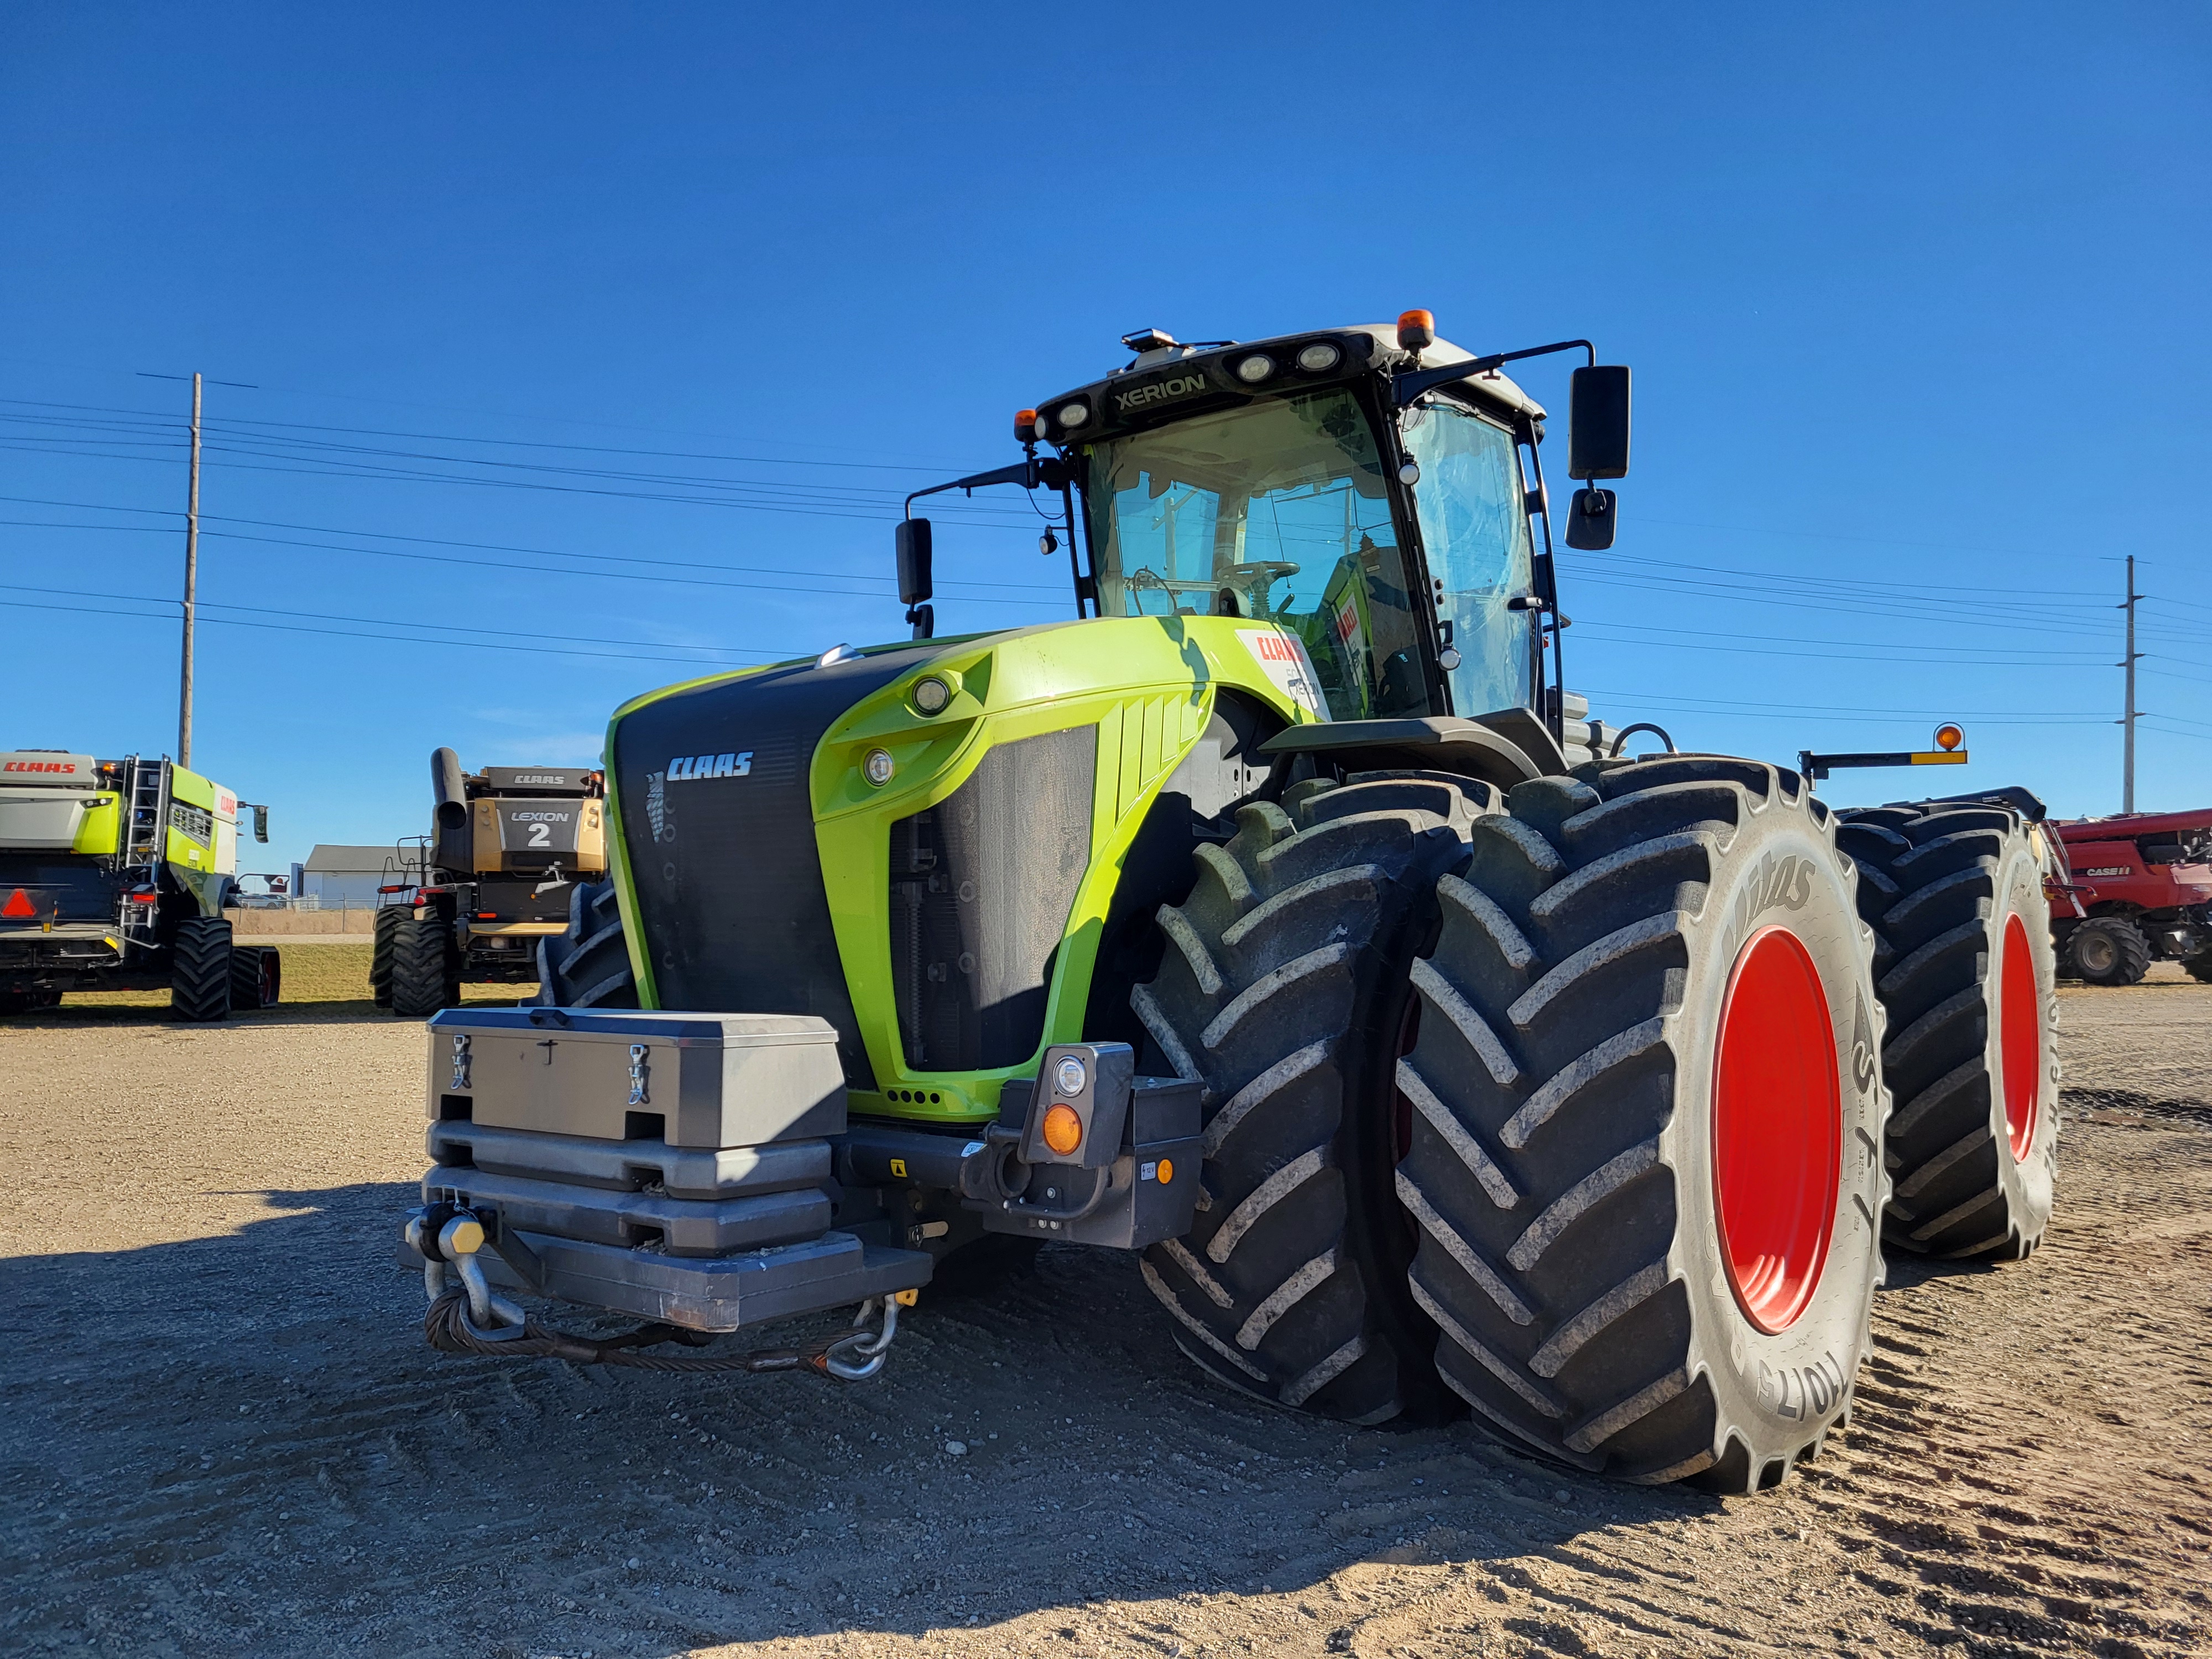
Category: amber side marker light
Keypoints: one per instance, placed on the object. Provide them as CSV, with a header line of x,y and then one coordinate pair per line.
x,y
1063,1129
1948,737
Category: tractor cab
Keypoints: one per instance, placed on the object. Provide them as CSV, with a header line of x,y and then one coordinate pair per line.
x,y
1377,492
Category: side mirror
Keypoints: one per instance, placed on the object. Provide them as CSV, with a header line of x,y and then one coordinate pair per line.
x,y
914,555
1597,424
1590,520
914,551
261,823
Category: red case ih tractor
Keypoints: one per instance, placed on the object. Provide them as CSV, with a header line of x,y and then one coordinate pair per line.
x,y
2141,891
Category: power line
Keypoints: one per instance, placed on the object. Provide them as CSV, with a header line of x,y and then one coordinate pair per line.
x,y
983,593
1783,710
392,638
381,622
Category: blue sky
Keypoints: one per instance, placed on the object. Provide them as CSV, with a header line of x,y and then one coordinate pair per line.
x,y
629,325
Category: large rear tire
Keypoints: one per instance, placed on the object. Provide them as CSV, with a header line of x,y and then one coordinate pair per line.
x,y
1965,971
1284,987
588,966
1645,1148
199,970
423,972
2107,951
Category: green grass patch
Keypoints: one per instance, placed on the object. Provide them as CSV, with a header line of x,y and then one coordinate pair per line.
x,y
323,978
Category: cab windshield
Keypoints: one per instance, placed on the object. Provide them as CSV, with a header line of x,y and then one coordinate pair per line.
x,y
1277,510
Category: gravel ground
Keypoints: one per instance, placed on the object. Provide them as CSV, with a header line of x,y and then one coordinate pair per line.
x,y
224,1435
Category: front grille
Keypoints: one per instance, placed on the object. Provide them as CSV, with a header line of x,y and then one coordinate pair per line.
x,y
982,885
729,899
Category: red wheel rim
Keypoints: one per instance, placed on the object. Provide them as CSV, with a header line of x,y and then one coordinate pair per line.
x,y
2019,1039
1777,1130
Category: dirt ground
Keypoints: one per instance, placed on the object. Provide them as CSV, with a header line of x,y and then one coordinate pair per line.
x,y
221,1432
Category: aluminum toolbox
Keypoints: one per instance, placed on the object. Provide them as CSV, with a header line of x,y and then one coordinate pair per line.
x,y
713,1080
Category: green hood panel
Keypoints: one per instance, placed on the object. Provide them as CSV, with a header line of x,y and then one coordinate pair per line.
x,y
720,869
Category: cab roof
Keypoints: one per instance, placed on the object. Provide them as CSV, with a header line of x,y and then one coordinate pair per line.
x,y
1168,381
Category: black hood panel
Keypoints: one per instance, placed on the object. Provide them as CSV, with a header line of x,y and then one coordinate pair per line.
x,y
733,912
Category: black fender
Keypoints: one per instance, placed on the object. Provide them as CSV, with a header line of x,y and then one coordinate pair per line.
x,y
1503,749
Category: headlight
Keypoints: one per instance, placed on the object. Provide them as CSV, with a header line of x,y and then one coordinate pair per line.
x,y
930,695
1320,356
1072,415
878,767
1255,368
1071,1077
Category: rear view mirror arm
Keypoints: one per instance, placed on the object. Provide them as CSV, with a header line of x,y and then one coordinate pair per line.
x,y
1405,388
1028,474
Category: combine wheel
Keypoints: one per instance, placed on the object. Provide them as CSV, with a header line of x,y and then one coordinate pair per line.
x,y
423,980
1965,969
1645,1126
380,959
199,976
257,975
588,966
2198,967
2108,951
1284,986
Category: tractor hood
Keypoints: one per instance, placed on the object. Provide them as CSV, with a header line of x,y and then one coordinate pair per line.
x,y
717,825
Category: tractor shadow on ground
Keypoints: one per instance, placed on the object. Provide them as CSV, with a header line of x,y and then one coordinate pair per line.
x,y
242,1441
122,1015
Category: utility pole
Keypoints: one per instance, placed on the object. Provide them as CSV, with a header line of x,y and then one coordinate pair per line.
x,y
191,563
2128,714
193,582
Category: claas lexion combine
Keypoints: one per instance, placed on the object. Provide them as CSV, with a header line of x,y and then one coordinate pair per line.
x,y
476,900
1280,917
114,877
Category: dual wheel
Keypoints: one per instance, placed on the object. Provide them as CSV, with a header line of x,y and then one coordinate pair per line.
x,y
1568,1105
212,977
1964,965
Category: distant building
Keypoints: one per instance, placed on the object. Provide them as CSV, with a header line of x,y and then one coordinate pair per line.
x,y
334,876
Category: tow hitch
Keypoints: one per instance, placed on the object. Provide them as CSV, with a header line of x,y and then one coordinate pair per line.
x,y
472,1318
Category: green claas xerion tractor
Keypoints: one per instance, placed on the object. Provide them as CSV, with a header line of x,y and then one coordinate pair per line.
x,y
114,877
1279,917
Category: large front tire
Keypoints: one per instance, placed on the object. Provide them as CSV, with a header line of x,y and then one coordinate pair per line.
x,y
588,966
199,970
1645,1153
1284,987
2108,951
380,956
424,974
1965,971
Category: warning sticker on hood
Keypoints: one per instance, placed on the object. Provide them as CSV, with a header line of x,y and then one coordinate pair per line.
x,y
1282,657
